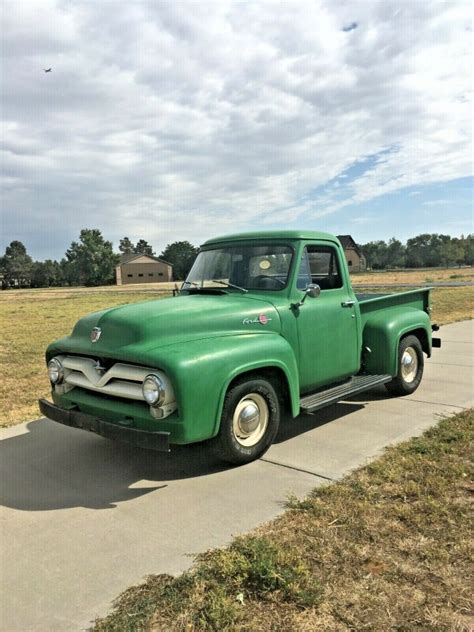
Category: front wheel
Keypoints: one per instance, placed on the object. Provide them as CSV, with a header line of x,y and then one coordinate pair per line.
x,y
249,421
410,367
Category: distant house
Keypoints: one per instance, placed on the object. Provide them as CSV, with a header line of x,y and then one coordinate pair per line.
x,y
139,268
354,256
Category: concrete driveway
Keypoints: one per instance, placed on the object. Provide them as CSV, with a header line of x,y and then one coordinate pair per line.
x,y
83,518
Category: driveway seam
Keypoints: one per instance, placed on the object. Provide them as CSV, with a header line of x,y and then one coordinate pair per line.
x,y
458,342
297,469
468,366
423,401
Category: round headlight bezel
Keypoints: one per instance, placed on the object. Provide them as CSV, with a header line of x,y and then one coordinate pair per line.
x,y
55,371
159,389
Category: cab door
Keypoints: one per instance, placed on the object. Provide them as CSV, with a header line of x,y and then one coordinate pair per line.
x,y
328,324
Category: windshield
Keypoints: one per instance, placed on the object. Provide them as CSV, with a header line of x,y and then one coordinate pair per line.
x,y
242,268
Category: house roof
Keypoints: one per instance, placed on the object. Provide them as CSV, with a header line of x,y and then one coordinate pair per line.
x,y
348,242
128,258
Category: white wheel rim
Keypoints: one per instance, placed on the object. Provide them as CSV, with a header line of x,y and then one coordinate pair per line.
x,y
250,419
409,365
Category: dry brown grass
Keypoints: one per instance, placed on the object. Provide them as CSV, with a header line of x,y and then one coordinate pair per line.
x,y
387,548
452,304
31,319
449,304
425,275
103,289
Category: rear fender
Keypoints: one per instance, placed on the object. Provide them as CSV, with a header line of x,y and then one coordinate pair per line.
x,y
383,332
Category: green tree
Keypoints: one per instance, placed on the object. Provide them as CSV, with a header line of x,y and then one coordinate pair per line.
x,y
46,274
181,254
468,247
143,248
395,254
417,251
376,254
452,252
126,247
91,261
3,279
16,265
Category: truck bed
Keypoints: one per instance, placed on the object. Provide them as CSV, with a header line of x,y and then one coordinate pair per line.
x,y
416,299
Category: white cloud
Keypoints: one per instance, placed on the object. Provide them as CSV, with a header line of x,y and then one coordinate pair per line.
x,y
182,120
436,202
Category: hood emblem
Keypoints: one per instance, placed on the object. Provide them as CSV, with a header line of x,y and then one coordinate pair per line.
x,y
261,319
95,334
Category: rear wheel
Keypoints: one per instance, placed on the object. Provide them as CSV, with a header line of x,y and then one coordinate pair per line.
x,y
410,367
249,422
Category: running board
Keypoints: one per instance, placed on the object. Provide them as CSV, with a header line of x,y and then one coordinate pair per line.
x,y
355,385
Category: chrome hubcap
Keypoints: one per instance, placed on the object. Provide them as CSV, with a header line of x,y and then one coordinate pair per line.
x,y
409,365
250,419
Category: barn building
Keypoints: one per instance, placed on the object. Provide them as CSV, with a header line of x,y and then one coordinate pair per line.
x,y
354,256
140,268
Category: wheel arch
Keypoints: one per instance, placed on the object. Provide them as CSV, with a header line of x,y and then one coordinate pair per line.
x,y
383,332
273,374
277,374
422,336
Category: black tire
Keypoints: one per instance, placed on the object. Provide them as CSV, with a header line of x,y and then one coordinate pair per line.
x,y
244,394
406,380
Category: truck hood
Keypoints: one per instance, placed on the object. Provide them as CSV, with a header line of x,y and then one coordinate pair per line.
x,y
164,322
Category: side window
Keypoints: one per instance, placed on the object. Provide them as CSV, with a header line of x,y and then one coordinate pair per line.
x,y
304,274
320,265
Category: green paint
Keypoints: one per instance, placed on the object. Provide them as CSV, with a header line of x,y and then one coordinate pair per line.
x,y
203,342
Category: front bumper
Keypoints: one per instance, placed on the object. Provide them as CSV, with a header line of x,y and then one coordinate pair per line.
x,y
158,441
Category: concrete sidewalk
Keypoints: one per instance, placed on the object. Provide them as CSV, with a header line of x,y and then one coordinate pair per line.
x,y
84,518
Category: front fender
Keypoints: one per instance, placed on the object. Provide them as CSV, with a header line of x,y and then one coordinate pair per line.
x,y
383,331
201,372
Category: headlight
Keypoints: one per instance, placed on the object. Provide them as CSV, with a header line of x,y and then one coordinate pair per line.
x,y
153,390
55,371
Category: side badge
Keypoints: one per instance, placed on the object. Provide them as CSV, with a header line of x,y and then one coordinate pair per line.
x,y
261,319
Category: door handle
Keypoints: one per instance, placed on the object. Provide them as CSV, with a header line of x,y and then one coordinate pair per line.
x,y
347,304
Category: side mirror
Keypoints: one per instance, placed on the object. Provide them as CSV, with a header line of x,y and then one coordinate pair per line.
x,y
313,290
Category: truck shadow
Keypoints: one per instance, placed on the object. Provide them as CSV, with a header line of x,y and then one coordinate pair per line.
x,y
290,428
55,467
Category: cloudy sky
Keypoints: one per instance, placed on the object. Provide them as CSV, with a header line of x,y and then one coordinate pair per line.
x,y
183,120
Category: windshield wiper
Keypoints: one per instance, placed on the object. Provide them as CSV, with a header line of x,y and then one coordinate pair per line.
x,y
237,287
195,288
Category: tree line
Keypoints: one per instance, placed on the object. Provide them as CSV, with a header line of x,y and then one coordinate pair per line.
x,y
89,261
428,250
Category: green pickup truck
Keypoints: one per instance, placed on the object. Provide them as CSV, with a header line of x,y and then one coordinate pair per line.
x,y
265,324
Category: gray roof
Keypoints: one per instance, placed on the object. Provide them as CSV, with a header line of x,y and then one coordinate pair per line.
x,y
128,258
348,242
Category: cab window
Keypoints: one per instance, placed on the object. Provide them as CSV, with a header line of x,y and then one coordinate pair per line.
x,y
320,264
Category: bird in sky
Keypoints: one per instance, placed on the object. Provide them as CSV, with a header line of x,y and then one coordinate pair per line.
x,y
350,27
48,69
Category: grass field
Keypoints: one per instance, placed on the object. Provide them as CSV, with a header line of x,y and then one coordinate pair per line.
x,y
30,319
425,275
387,548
